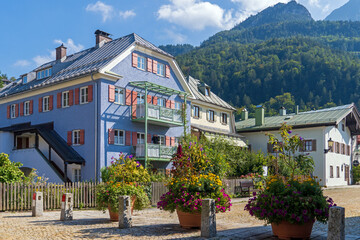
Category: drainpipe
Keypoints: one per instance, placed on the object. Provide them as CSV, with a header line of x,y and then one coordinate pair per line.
x,y
146,127
65,171
96,125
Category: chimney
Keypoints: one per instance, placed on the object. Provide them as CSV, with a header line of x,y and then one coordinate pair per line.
x,y
297,109
244,114
102,37
61,53
259,115
282,111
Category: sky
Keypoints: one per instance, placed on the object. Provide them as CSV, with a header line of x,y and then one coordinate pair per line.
x,y
31,30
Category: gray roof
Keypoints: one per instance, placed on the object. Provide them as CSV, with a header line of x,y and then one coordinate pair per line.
x,y
82,63
322,117
212,99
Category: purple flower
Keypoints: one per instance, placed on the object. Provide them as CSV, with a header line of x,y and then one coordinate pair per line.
x,y
289,131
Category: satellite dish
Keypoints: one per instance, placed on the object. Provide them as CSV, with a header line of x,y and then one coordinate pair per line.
x,y
356,163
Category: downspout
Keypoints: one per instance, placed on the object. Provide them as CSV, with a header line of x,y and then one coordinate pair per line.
x,y
96,125
324,147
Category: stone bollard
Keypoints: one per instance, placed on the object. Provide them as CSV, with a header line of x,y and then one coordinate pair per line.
x,y
208,218
336,224
125,220
37,204
67,204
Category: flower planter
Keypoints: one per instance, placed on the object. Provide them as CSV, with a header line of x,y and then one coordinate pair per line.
x,y
189,220
286,230
114,216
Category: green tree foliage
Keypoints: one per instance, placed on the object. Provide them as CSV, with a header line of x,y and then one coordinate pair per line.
x,y
9,171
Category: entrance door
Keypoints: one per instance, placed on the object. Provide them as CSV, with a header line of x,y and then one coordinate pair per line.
x,y
347,174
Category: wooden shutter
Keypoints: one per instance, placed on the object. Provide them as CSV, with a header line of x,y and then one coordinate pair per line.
x,y
154,66
167,71
172,104
149,98
149,64
16,110
51,102
8,111
22,109
69,138
168,104
348,150
134,102
111,136
127,138
149,138
31,107
77,96
172,141
58,100
134,138
40,104
90,93
155,100
128,97
134,59
111,93
167,140
82,136
358,139
314,145
71,97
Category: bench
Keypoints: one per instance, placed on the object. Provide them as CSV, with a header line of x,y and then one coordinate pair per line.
x,y
245,186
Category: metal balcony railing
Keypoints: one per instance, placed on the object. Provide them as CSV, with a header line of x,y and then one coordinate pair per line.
x,y
159,113
154,151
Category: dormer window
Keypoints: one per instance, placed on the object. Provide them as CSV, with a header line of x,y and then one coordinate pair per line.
x,y
207,91
44,73
24,79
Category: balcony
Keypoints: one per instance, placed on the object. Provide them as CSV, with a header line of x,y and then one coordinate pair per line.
x,y
157,115
156,152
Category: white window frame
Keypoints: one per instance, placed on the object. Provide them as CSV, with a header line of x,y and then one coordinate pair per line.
x,y
65,97
46,104
77,175
140,136
211,115
76,137
161,102
196,114
207,91
162,140
160,69
308,145
140,98
84,95
13,111
222,118
119,96
118,138
26,108
178,105
141,63
44,73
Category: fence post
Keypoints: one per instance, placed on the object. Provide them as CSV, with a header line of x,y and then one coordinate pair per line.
x,y
208,218
336,224
37,204
125,220
67,203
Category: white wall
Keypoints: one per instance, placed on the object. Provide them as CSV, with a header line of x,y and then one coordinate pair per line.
x,y
44,148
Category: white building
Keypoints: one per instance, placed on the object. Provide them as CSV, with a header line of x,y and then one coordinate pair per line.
x,y
337,124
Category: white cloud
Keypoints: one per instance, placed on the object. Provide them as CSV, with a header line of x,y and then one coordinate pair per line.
x,y
196,14
22,63
177,38
99,7
41,59
254,6
70,45
127,14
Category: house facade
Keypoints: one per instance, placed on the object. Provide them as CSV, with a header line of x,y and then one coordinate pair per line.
x,y
68,118
338,125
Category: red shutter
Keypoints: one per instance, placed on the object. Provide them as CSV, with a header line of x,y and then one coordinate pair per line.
x,y
172,141
31,107
172,104
167,140
22,109
134,102
111,136
8,111
58,100
128,97
40,104
134,59
149,98
82,136
168,104
154,66
16,110
51,102
155,100
111,93
149,138
149,65
69,138
71,97
167,71
127,138
90,93
77,93
358,139
134,138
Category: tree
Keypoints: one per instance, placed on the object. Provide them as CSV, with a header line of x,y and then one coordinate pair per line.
x,y
9,171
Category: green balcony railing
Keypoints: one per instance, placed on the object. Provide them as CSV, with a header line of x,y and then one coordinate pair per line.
x,y
154,151
158,113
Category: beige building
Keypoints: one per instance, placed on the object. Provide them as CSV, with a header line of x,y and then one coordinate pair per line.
x,y
210,115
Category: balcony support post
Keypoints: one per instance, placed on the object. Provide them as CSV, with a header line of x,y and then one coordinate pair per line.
x,y
146,127
184,115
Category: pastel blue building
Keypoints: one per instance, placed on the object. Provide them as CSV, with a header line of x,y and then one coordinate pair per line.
x,y
69,117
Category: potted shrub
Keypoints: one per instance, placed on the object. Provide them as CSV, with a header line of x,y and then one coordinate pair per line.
x,y
125,176
292,200
193,180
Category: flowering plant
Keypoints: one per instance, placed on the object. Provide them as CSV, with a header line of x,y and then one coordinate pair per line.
x,y
124,176
193,180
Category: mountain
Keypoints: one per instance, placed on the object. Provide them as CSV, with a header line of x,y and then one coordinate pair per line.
x,y
281,12
177,49
348,12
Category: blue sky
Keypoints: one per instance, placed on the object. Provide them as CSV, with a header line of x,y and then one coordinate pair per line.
x,y
31,30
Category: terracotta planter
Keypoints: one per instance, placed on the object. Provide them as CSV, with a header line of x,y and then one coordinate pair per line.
x,y
286,230
189,220
114,216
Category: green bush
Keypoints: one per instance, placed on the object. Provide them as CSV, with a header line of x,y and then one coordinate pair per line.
x,y
356,174
9,171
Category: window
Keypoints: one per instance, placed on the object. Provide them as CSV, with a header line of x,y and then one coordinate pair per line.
x,y
337,147
77,175
25,79
211,115
46,104
160,69
161,102
224,118
119,137
140,98
26,108
348,150
177,141
308,145
76,137
207,92
178,105
337,171
141,62
119,96
140,138
13,111
44,73
343,148
196,112
65,99
162,140
331,172
22,142
342,127
84,95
